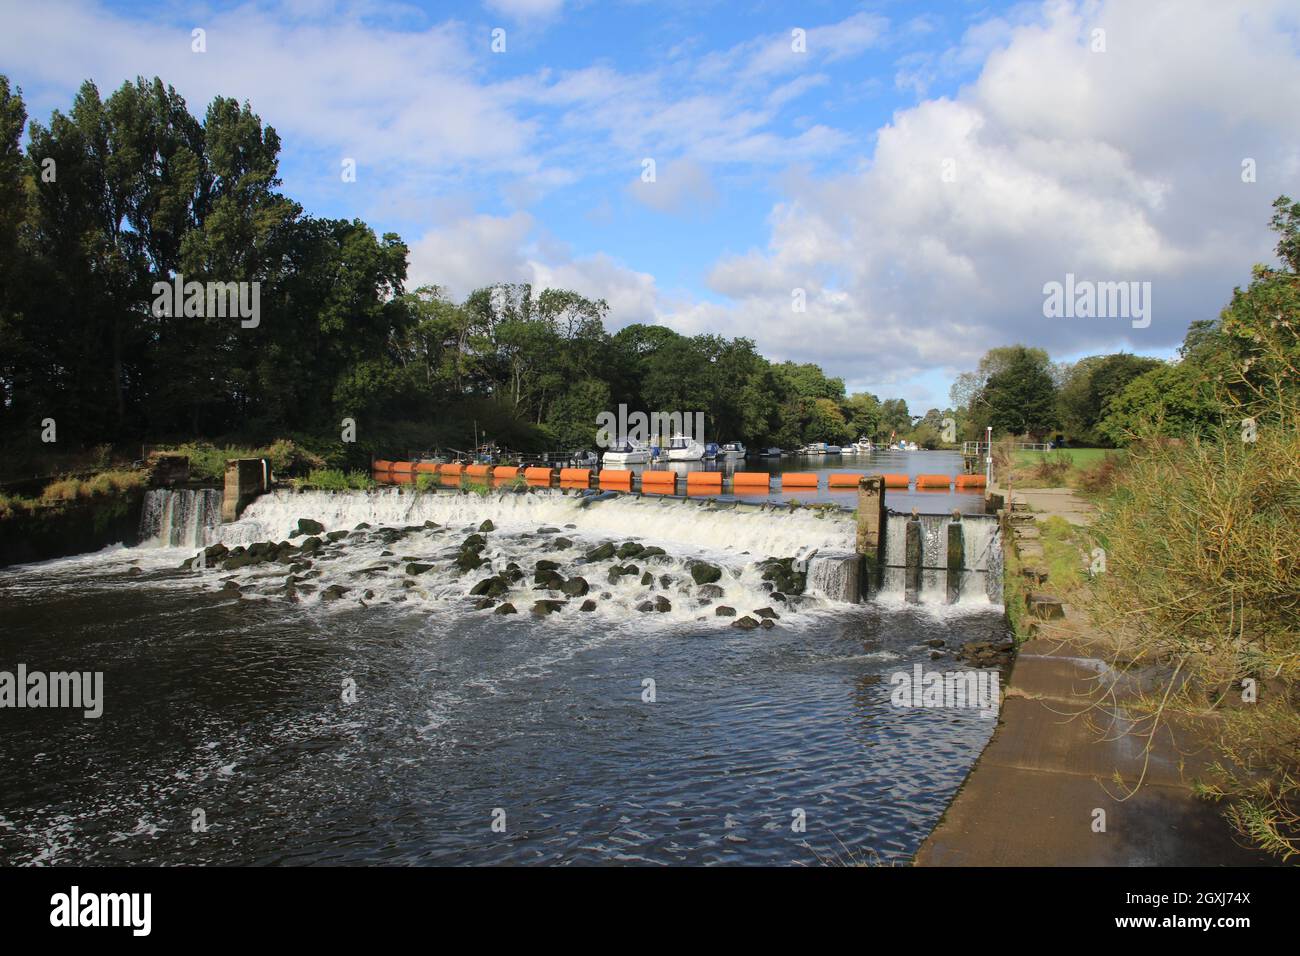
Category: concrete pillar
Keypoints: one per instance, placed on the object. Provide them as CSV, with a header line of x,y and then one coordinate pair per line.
x,y
913,562
956,557
246,478
871,533
166,470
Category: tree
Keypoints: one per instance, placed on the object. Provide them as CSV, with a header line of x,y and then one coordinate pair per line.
x,y
1020,398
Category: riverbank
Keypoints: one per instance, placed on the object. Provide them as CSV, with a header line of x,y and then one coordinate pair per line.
x,y
53,527
1072,776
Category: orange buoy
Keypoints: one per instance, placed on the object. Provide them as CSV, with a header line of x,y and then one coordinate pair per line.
x,y
971,481
751,479
620,477
703,481
573,476
932,481
539,474
505,473
843,480
478,471
897,481
798,479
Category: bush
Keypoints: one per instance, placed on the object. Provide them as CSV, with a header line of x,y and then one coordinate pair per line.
x,y
1202,546
334,479
287,458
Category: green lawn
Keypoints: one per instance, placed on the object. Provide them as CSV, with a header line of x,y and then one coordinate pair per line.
x,y
1079,457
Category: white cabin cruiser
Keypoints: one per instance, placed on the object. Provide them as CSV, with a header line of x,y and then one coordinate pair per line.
x,y
731,449
628,453
681,448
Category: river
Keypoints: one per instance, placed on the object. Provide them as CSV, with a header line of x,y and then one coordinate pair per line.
x,y
231,733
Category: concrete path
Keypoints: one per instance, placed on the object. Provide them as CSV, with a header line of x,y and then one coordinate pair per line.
x,y
1058,784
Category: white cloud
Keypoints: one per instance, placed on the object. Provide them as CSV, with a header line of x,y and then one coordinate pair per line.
x,y
526,9
680,187
1123,165
475,251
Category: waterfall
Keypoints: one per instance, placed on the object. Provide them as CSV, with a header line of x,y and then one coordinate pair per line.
x,y
982,568
766,531
836,575
185,518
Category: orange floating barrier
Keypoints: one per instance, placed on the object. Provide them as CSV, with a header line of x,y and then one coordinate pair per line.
x,y
897,481
751,479
505,472
478,471
405,467
381,464
932,481
620,477
539,474
970,481
843,480
575,476
668,478
798,479
401,478
450,471
427,467
703,481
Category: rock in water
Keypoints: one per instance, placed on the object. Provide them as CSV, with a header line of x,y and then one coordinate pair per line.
x,y
588,605
543,608
723,611
575,587
505,609
704,573
745,623
602,553
308,526
487,525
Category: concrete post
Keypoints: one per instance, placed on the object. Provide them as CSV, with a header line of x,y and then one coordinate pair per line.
x,y
871,534
956,557
246,478
914,571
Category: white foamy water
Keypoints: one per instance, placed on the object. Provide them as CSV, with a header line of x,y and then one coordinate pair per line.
x,y
373,566
982,580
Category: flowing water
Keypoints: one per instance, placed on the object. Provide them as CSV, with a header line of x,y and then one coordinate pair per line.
x,y
341,706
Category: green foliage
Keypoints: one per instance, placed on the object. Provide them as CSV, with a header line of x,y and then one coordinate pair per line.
x,y
208,462
334,479
1019,398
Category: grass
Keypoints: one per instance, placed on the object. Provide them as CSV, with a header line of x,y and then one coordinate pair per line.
x,y
1202,546
1063,552
335,479
111,483
1062,467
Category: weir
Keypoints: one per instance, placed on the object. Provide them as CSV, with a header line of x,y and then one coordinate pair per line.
x,y
933,559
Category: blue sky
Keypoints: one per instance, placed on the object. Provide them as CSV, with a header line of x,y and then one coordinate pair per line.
x,y
918,170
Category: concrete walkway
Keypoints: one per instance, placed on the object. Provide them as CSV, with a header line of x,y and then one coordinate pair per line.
x,y
1058,784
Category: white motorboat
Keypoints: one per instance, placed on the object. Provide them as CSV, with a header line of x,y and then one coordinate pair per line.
x,y
770,453
732,449
864,446
629,453
681,448
833,449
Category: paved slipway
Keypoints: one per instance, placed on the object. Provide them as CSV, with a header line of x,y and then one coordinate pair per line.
x,y
1060,755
